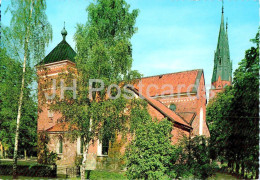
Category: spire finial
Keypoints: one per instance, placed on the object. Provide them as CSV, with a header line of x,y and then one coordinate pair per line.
x,y
222,6
64,32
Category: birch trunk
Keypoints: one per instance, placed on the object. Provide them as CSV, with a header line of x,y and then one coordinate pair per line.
x,y
83,167
18,119
21,99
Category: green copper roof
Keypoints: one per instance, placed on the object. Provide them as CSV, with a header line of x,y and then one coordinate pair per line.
x,y
62,51
222,63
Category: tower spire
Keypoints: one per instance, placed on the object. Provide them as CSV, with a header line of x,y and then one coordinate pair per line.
x,y
222,70
222,64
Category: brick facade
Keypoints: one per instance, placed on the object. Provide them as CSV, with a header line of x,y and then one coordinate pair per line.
x,y
187,118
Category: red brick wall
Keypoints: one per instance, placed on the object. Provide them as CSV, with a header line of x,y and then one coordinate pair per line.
x,y
155,113
177,132
69,150
218,87
47,74
191,103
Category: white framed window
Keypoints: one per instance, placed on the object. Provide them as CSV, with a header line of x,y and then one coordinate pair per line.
x,y
103,147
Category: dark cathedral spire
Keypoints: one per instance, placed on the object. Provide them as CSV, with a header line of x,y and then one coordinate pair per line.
x,y
222,63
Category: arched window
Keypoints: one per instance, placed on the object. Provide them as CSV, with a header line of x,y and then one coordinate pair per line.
x,y
60,145
81,145
172,107
105,145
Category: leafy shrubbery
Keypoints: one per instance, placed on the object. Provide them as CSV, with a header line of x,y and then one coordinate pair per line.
x,y
33,170
199,161
152,156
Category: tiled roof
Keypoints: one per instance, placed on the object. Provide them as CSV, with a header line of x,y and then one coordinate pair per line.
x,y
187,116
59,127
181,82
63,51
164,110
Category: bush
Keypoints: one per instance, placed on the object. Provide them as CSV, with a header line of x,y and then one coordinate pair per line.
x,y
150,154
33,171
78,160
195,158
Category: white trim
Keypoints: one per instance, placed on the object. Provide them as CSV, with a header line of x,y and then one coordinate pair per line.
x,y
172,95
201,122
78,145
58,62
99,148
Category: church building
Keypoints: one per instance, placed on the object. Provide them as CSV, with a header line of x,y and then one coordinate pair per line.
x,y
179,97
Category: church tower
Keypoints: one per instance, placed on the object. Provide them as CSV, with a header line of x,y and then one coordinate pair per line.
x,y
222,71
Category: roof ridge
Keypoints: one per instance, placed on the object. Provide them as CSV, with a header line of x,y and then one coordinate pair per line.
x,y
172,73
150,99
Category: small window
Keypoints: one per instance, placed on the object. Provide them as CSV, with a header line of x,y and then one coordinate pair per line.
x,y
105,146
81,145
172,107
60,145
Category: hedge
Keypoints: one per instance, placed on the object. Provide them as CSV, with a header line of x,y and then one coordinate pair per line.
x,y
32,170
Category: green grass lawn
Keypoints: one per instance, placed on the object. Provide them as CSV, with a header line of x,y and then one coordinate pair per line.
x,y
221,176
106,175
94,175
19,162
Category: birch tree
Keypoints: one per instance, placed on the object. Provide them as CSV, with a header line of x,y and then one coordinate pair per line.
x,y
27,37
104,52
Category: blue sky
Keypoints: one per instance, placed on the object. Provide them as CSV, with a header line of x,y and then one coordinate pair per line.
x,y
173,35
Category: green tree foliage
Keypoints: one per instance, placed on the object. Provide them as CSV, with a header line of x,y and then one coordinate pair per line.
x,y
199,157
233,117
10,84
27,36
103,52
218,112
149,156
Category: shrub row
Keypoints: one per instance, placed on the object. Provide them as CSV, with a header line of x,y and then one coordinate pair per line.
x,y
32,170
